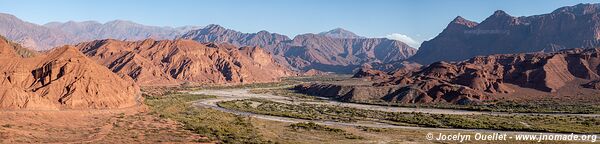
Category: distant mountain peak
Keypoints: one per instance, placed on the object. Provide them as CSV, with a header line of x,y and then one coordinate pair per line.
x,y
500,13
214,26
339,30
580,9
263,32
340,33
121,22
5,15
460,21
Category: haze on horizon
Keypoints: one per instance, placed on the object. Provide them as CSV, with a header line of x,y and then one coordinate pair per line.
x,y
409,21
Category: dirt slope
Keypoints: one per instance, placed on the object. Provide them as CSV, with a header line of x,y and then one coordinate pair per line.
x,y
167,62
63,78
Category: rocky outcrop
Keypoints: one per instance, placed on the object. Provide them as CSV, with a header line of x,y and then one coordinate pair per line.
x,y
592,85
565,28
338,50
349,93
60,79
314,72
482,77
370,74
169,62
545,72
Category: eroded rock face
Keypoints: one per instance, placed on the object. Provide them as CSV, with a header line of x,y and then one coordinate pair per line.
x,y
546,72
314,72
341,55
168,62
565,28
337,50
218,34
60,79
481,77
370,74
592,85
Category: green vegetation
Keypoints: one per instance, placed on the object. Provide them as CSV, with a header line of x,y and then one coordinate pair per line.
x,y
286,92
216,125
241,86
541,106
287,81
538,123
311,126
372,129
505,106
324,78
21,51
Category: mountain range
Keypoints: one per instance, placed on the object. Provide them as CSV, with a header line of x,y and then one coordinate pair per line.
x,y
54,34
565,28
564,74
337,50
503,57
342,51
468,62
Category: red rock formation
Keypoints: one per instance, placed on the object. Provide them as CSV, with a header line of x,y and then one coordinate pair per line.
x,y
565,28
480,78
370,74
314,72
63,78
167,62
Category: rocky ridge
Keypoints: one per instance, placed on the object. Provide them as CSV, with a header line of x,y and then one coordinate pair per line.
x,y
54,34
172,62
338,50
60,79
565,28
476,79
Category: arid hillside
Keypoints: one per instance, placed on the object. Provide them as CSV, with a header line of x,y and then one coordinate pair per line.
x,y
168,62
60,79
568,27
568,72
338,50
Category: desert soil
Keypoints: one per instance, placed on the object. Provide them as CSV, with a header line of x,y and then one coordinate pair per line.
x,y
132,125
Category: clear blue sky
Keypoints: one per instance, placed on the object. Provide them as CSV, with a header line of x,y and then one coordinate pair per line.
x,y
419,19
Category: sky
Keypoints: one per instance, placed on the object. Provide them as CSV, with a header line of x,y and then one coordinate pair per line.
x,y
411,21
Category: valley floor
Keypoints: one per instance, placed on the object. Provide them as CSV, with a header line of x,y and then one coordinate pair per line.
x,y
414,133
261,113
132,125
